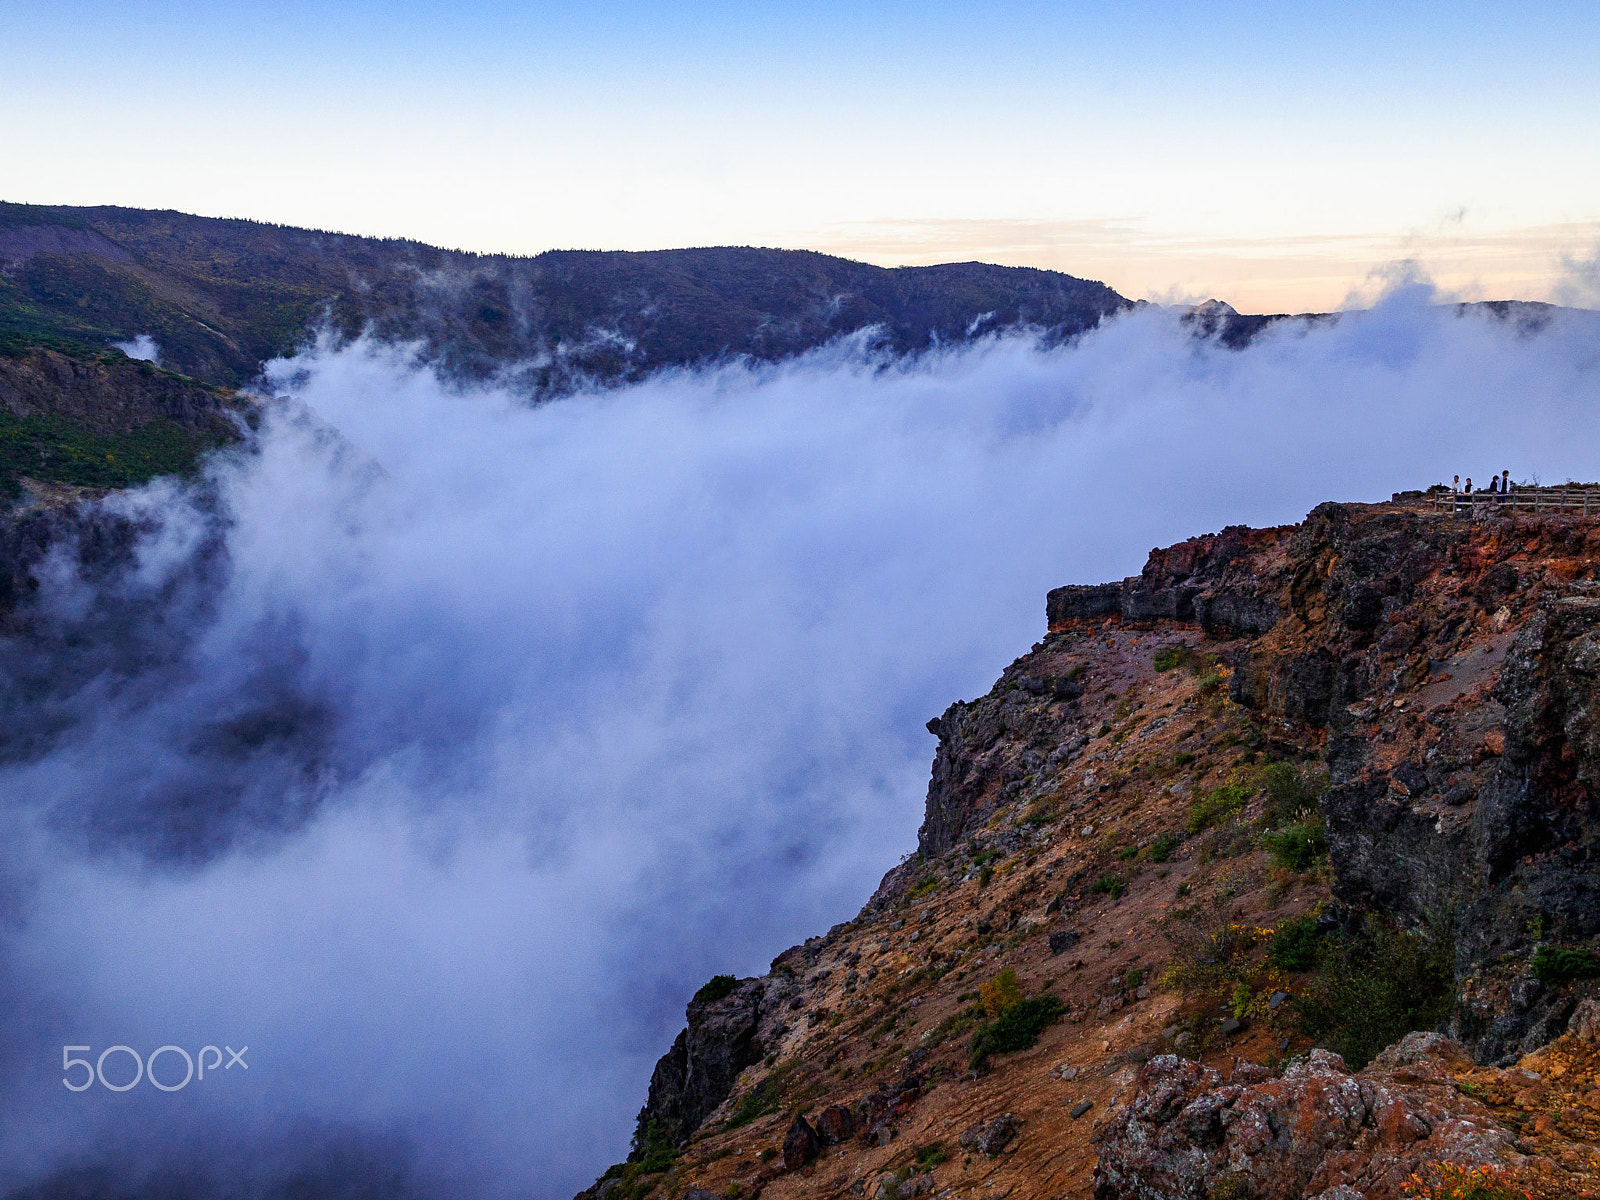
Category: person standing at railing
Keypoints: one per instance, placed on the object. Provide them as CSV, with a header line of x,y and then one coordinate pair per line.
x,y
1455,486
1505,482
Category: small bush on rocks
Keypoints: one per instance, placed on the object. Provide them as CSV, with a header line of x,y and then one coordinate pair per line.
x,y
1170,657
1294,945
1298,846
1554,966
1016,1029
929,1156
658,1154
1217,806
719,987
756,1103
1290,790
1109,885
1374,987
1161,849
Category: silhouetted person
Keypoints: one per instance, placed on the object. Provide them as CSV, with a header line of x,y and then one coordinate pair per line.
x,y
1494,484
1505,482
1455,486
1469,486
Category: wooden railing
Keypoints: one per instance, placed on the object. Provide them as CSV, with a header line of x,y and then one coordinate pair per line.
x,y
1576,501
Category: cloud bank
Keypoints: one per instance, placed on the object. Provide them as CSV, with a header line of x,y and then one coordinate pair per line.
x,y
439,748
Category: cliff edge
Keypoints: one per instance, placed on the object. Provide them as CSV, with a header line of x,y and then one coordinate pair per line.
x,y
1287,795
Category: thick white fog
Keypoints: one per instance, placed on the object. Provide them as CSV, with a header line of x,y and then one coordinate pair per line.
x,y
492,732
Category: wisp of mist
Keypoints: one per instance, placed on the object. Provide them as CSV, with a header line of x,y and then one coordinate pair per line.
x,y
491,731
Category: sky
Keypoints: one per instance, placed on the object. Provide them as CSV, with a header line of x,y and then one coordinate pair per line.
x,y
1283,157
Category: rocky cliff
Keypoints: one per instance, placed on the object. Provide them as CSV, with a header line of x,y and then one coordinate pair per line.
x,y
103,421
1286,788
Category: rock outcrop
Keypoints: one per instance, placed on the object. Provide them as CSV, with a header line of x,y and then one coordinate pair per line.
x,y
1450,667
721,1039
1186,1134
1319,1130
1437,669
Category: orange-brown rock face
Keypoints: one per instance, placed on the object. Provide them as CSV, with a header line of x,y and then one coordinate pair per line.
x,y
1317,1127
1099,810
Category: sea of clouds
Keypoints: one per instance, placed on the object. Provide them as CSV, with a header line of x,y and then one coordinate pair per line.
x,y
438,747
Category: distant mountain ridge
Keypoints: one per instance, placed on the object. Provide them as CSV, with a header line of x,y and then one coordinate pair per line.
x,y
222,296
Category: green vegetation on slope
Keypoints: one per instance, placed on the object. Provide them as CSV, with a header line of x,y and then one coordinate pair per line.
x,y
52,449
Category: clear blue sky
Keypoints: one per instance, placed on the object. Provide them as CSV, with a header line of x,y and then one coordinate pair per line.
x,y
1283,150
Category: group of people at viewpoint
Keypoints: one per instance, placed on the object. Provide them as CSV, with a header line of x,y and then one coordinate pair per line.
x,y
1497,483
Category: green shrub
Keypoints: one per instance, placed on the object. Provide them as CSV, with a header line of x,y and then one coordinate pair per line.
x,y
1554,966
659,1152
985,874
929,1156
1298,846
1217,806
1128,852
656,1154
1209,683
1016,1029
53,449
1133,977
1184,758
1372,988
1161,849
1294,945
1170,657
715,989
923,886
756,1103
1290,790
1110,885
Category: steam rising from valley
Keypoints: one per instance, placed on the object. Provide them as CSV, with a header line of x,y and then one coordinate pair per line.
x,y
439,747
